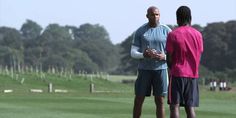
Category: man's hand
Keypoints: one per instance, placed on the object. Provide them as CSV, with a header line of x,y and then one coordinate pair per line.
x,y
152,53
147,53
160,56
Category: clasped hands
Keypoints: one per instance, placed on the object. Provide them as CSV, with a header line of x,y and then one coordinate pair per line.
x,y
153,54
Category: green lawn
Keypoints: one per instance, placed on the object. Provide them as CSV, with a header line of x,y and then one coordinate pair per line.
x,y
116,100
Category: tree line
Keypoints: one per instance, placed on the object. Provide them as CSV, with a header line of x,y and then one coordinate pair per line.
x,y
88,48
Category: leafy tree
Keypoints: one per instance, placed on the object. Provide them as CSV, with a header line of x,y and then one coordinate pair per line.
x,y
11,41
55,32
54,61
91,32
10,37
33,56
30,30
5,56
84,63
53,42
231,36
218,40
128,65
198,27
94,40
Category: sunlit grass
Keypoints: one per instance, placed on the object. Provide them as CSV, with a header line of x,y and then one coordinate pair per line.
x,y
114,101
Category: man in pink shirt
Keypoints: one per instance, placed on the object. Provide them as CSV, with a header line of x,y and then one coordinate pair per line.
x,y
184,48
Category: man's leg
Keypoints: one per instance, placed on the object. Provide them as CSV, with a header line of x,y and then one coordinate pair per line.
x,y
160,109
138,103
174,111
190,112
191,97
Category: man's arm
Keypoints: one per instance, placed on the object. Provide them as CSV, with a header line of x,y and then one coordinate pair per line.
x,y
135,53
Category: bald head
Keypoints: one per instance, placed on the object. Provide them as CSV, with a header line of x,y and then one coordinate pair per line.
x,y
153,16
151,9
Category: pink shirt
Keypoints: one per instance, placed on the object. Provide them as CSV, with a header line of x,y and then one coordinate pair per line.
x,y
185,45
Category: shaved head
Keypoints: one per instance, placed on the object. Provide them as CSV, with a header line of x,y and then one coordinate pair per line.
x,y
153,15
152,8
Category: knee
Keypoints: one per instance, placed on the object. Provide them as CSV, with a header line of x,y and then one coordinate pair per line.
x,y
172,108
138,100
159,101
174,111
190,112
191,115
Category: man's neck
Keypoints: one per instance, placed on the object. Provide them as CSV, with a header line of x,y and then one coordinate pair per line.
x,y
153,24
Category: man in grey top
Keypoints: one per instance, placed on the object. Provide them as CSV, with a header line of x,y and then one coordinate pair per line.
x,y
149,47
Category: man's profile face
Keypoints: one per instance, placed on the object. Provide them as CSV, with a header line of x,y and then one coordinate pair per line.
x,y
153,15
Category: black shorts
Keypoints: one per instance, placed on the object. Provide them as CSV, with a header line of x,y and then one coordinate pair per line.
x,y
183,91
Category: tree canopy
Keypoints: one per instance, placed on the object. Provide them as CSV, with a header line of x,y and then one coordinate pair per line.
x,y
84,48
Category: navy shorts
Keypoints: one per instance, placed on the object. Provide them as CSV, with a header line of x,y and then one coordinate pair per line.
x,y
155,81
183,91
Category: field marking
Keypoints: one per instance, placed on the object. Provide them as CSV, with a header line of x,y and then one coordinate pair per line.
x,y
8,91
36,90
60,91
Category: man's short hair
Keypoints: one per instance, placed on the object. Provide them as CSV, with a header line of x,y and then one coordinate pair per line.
x,y
183,14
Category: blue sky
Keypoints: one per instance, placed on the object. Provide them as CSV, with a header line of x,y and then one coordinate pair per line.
x,y
119,17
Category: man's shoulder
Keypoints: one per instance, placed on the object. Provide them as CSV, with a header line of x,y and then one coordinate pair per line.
x,y
175,31
142,26
190,28
181,29
141,29
165,26
196,31
184,30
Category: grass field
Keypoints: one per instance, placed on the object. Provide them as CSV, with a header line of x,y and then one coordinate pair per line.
x,y
114,100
